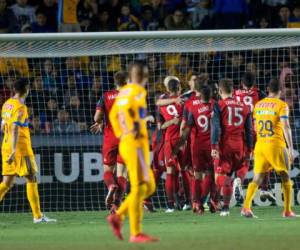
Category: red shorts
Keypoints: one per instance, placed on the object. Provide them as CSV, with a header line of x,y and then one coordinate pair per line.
x,y
201,159
158,161
110,150
186,155
170,159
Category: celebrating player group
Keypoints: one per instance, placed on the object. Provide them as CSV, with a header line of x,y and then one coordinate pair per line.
x,y
204,141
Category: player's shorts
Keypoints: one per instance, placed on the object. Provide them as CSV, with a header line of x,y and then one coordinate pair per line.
x,y
268,157
110,151
21,166
186,155
201,159
170,159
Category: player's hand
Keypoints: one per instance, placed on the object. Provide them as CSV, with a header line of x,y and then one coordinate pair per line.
x,y
96,128
176,121
215,154
150,118
179,100
11,158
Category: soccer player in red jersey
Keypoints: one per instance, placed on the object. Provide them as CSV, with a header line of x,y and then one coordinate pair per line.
x,y
111,158
170,117
199,119
250,95
231,132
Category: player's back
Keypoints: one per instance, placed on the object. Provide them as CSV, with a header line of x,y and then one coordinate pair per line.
x,y
233,115
201,113
15,112
249,96
168,113
267,115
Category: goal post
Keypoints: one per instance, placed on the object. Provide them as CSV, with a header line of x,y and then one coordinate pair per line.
x,y
70,71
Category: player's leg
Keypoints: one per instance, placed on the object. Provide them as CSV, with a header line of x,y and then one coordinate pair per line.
x,y
185,164
196,192
241,173
121,182
6,184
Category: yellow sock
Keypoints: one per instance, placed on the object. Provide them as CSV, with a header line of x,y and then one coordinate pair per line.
x,y
3,190
251,191
34,199
287,195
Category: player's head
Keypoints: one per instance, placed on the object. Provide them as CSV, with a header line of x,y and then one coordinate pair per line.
x,y
248,80
167,79
199,84
225,88
138,72
274,87
120,78
193,78
174,86
205,93
21,87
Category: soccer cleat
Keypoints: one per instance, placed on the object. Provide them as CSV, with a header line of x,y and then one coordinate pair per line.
x,y
267,194
213,206
142,238
224,212
110,196
198,209
238,190
148,206
115,222
44,219
113,209
289,214
186,207
170,210
247,212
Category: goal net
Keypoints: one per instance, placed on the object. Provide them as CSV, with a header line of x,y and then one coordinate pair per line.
x,y
70,72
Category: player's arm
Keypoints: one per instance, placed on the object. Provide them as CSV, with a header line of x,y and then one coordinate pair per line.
x,y
184,120
98,118
114,117
165,102
215,130
284,119
174,121
248,133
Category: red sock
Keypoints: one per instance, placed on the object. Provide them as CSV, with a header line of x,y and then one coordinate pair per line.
x,y
266,181
196,190
213,191
170,185
206,185
186,185
109,179
122,183
242,172
176,182
227,191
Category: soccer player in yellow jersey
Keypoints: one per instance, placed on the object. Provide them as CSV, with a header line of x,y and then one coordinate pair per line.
x,y
17,154
128,119
273,131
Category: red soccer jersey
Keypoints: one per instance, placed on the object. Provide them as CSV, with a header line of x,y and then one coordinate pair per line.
x,y
169,112
199,118
105,104
249,96
231,121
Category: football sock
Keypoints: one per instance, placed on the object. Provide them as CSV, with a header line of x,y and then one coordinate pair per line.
x,y
242,172
251,191
206,186
287,195
227,191
122,184
109,179
157,175
196,185
3,190
265,183
186,185
34,199
170,189
176,182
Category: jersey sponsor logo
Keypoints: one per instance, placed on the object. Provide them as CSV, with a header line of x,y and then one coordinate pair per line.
x,y
266,105
265,112
122,102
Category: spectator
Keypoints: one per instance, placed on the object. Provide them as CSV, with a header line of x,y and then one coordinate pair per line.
x,y
36,127
263,23
148,22
49,76
38,96
294,21
14,66
25,13
49,7
177,21
63,124
202,15
127,21
6,90
77,112
40,25
103,22
67,16
51,111
158,10
87,12
8,21
230,14
283,17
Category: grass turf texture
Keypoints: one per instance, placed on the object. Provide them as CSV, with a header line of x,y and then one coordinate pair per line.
x,y
181,230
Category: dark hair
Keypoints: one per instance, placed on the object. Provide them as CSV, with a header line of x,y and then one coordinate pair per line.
x,y
226,85
120,78
173,85
199,84
139,66
248,79
274,86
20,85
205,93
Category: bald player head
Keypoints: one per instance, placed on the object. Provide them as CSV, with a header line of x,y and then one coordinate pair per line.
x,y
138,73
168,79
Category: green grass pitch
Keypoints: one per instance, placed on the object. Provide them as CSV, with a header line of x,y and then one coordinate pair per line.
x,y
181,230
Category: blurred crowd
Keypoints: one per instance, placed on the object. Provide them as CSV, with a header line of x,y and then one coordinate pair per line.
x,y
38,16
